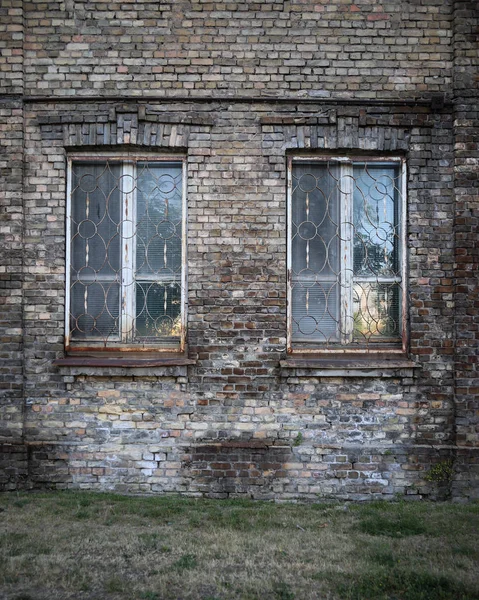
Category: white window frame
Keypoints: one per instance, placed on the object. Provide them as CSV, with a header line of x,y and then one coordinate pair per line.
x,y
346,345
127,294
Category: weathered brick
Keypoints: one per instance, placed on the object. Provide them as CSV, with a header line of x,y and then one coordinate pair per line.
x,y
237,91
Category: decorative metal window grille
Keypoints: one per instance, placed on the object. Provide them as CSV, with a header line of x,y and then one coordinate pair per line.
x,y
126,252
346,261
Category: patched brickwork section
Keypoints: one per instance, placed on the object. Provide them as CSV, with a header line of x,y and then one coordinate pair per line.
x,y
323,471
234,468
237,89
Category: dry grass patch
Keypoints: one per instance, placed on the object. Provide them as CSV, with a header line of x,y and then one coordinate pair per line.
x,y
89,546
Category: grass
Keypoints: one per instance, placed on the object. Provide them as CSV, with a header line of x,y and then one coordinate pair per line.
x,y
86,546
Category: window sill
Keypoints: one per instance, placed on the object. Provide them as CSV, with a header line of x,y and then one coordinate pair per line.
x,y
348,366
120,366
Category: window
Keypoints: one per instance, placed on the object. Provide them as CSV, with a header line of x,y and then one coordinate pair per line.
x,y
126,251
346,264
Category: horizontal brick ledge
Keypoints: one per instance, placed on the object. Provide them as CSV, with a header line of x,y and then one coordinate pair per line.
x,y
71,361
368,366
347,363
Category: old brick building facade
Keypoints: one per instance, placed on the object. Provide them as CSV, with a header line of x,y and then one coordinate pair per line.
x,y
240,250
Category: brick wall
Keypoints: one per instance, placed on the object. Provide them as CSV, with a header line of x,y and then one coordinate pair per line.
x,y
12,453
238,87
362,49
466,182
12,46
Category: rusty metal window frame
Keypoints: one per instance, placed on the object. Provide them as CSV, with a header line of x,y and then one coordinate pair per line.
x,y
345,342
127,161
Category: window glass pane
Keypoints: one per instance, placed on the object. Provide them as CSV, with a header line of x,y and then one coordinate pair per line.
x,y
158,309
95,250
159,220
315,251
96,214
376,311
315,219
375,218
315,312
95,310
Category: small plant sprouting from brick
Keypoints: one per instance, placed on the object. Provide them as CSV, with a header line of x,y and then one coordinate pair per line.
x,y
298,440
441,472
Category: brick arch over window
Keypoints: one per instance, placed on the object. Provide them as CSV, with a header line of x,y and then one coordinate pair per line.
x,y
334,129
133,125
